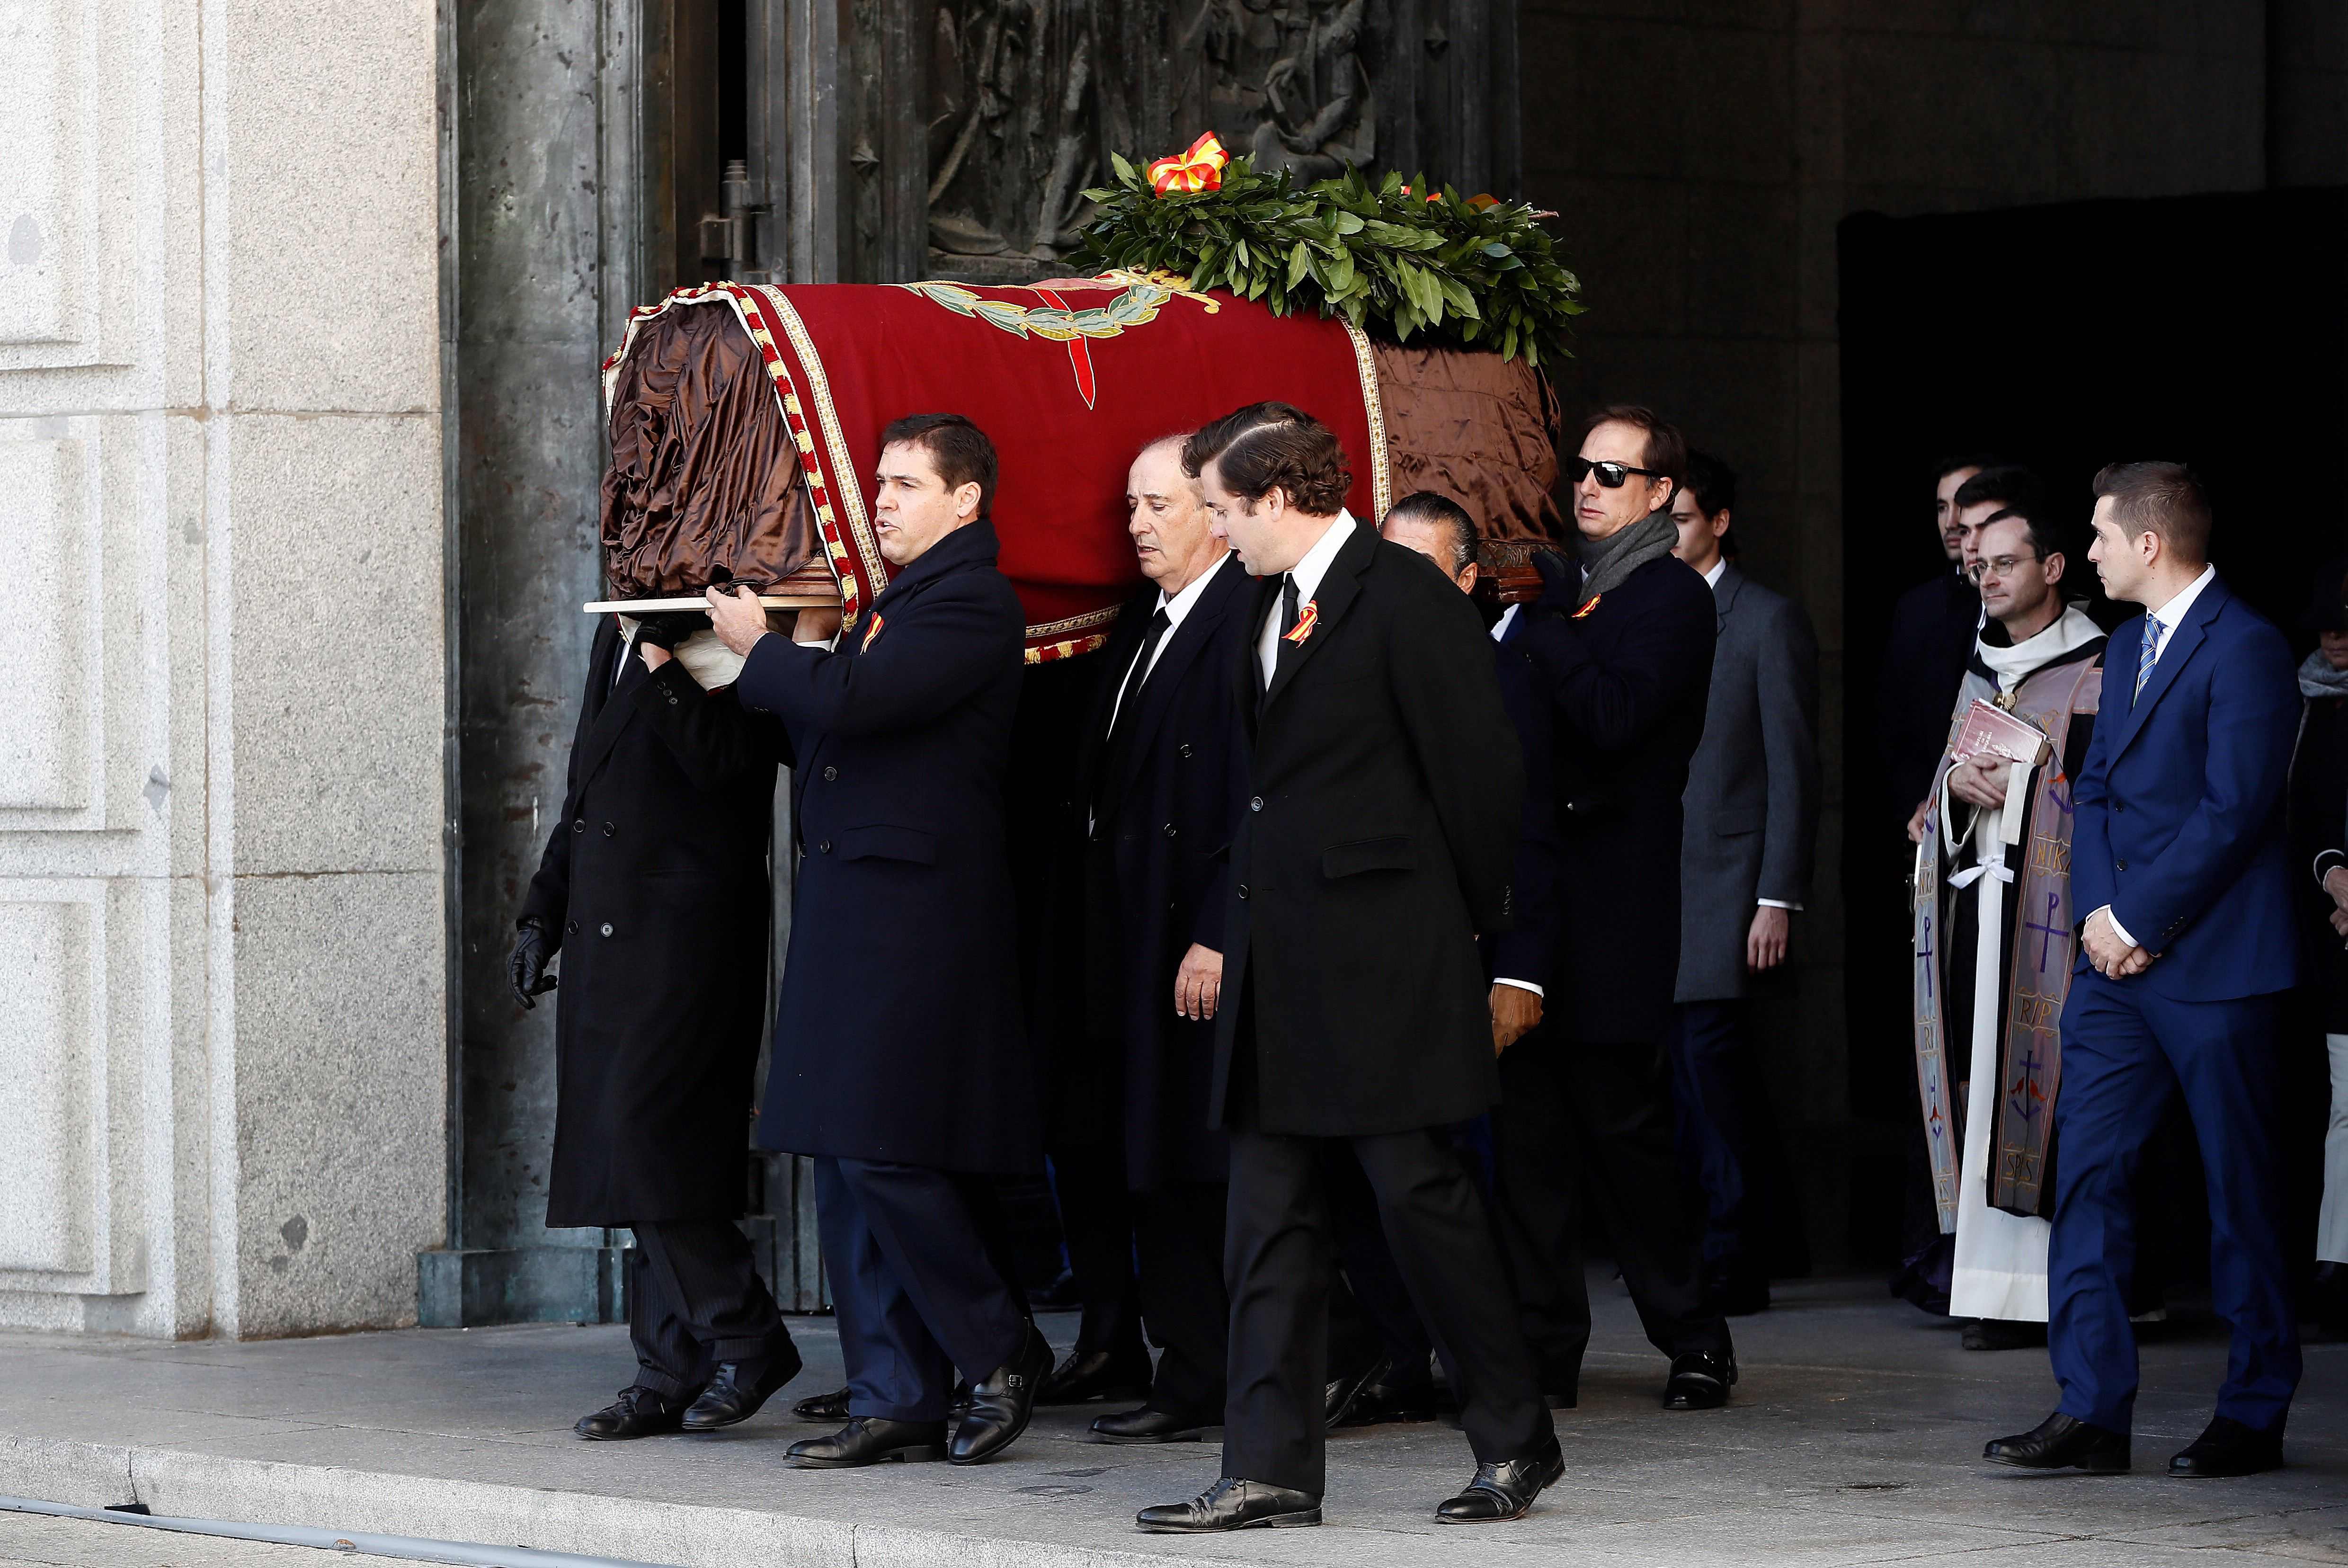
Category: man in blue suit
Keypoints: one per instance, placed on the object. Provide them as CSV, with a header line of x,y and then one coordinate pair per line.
x,y
2178,856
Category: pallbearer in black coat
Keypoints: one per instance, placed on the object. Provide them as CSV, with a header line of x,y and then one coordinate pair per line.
x,y
654,885
1381,812
1160,791
901,1060
1621,647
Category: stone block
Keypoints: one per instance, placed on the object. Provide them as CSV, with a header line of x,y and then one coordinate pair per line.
x,y
1733,92
51,995
329,222
49,535
335,641
339,1099
477,1286
1743,257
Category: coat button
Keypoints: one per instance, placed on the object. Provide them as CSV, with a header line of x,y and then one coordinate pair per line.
x,y
1243,893
2119,805
824,847
610,829
571,928
1170,830
580,826
1183,750
2123,865
607,928
1256,804
830,774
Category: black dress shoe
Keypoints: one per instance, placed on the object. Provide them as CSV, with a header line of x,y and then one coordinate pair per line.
x,y
2226,1447
2060,1443
1504,1491
1232,1504
638,1412
1699,1381
1001,1402
1337,1398
1999,1333
1384,1404
1092,1375
741,1387
1148,1425
831,1407
870,1440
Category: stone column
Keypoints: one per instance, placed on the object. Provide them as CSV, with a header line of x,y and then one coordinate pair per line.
x,y
222,967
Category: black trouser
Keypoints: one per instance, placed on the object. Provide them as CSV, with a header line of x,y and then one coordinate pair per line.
x,y
1179,1237
1097,1224
1373,1317
1277,1263
695,1299
1727,1136
1572,1112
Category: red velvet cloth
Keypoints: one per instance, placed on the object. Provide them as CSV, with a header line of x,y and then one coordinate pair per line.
x,y
1070,380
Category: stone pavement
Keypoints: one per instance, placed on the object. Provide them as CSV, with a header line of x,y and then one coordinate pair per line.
x,y
1853,1440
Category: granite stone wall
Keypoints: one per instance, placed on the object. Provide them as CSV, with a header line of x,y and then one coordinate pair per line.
x,y
222,965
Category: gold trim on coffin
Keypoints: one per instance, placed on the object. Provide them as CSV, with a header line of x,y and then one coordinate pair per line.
x,y
1374,414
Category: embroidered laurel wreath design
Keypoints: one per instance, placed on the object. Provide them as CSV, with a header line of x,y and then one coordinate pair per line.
x,y
1135,306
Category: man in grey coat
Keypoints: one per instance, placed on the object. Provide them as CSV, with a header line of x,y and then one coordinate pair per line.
x,y
1751,827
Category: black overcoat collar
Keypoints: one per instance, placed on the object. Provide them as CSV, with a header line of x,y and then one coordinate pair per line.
x,y
972,545
1199,631
1340,586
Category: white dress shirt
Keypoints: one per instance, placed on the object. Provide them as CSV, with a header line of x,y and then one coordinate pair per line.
x,y
1176,607
2164,622
1308,573
1499,633
2165,619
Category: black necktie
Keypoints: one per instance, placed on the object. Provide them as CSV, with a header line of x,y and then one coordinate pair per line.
x,y
1287,605
1140,673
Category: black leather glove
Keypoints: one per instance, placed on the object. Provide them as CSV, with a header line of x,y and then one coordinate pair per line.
x,y
1558,571
670,627
526,966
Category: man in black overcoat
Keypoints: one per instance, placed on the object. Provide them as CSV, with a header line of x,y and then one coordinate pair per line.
x,y
654,886
1158,790
1384,795
901,1060
1620,646
1932,629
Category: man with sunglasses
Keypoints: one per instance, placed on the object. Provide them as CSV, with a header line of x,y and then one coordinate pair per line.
x,y
1620,646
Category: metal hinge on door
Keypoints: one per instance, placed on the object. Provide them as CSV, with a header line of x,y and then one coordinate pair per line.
x,y
731,234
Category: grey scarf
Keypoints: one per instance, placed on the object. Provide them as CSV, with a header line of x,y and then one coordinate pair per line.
x,y
2317,679
1611,560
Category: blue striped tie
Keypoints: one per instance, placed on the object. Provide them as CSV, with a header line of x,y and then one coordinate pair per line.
x,y
2144,658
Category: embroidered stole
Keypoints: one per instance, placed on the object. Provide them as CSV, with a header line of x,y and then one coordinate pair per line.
x,y
2038,973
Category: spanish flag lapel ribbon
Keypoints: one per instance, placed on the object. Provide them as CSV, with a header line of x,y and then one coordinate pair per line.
x,y
1189,172
1305,618
871,631
1585,609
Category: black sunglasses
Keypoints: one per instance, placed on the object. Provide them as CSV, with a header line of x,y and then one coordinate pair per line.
x,y
1610,475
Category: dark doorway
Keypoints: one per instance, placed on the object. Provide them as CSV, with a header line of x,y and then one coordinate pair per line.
x,y
2208,329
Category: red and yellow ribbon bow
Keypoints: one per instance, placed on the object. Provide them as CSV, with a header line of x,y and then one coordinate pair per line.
x,y
1187,173
1304,620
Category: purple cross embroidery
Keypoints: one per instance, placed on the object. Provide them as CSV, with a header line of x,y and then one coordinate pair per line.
x,y
1924,956
2047,930
2028,1097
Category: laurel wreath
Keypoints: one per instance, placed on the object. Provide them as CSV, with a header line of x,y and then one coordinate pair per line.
x,y
1388,256
1136,305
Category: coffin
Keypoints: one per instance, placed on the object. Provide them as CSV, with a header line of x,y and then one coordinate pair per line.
x,y
744,423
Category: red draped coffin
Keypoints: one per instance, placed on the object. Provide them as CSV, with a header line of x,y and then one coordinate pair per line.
x,y
1070,380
